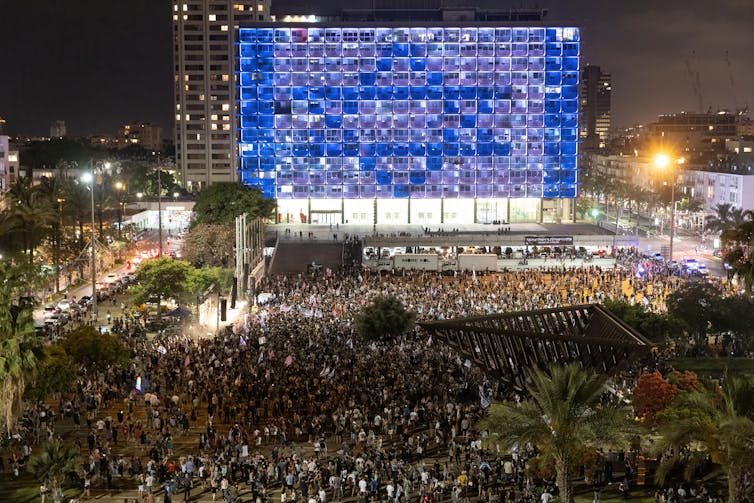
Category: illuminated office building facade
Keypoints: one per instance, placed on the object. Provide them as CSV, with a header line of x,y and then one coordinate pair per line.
x,y
423,124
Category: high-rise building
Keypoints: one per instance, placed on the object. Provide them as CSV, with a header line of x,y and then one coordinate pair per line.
x,y
204,34
697,136
9,164
57,129
147,135
595,92
411,122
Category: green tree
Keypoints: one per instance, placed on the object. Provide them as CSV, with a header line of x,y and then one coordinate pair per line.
x,y
55,461
209,245
56,374
162,278
716,422
384,319
201,279
93,351
20,348
28,217
657,327
564,418
692,304
221,203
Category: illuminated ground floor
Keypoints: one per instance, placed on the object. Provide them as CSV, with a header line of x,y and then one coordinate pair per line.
x,y
424,211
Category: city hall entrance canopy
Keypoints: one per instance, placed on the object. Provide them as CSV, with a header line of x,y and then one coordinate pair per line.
x,y
512,343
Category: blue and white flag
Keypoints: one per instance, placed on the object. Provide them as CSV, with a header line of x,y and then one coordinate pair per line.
x,y
484,398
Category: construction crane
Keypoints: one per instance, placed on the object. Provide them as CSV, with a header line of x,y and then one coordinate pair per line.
x,y
740,110
694,78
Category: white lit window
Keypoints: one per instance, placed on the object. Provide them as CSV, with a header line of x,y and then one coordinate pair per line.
x,y
198,137
185,8
175,7
188,117
213,127
260,7
224,27
12,158
239,6
212,17
201,97
177,117
226,117
213,117
226,127
175,17
177,106
226,106
225,78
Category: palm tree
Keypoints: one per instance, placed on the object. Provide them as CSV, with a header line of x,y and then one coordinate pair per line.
x,y
52,190
20,349
29,216
717,423
725,217
53,464
563,418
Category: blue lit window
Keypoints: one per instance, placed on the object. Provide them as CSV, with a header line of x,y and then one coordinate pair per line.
x,y
409,112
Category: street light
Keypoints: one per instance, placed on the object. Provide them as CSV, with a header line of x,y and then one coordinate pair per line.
x,y
89,178
121,207
663,161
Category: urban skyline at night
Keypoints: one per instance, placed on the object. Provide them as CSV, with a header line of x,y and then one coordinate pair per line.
x,y
120,69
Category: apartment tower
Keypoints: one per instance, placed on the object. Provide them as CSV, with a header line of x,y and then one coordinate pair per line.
x,y
596,88
204,37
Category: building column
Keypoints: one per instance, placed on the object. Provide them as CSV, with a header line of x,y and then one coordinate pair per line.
x,y
409,210
541,210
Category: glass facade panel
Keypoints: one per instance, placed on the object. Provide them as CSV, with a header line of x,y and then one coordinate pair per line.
x,y
409,112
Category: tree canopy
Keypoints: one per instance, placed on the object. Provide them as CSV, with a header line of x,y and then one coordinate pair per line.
x,y
564,418
209,245
162,278
93,351
655,326
384,319
691,305
716,422
221,203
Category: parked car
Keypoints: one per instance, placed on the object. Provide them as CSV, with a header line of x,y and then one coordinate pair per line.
x,y
65,304
51,309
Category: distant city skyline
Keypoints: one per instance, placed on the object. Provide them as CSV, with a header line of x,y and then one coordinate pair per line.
x,y
98,65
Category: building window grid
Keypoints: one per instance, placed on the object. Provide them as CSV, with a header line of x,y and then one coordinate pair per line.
x,y
347,112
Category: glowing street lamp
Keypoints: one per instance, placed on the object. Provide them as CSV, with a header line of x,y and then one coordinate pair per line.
x,y
89,178
662,161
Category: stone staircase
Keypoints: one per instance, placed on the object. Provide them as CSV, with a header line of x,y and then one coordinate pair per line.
x,y
293,256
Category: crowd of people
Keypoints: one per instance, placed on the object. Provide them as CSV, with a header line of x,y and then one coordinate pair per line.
x,y
289,403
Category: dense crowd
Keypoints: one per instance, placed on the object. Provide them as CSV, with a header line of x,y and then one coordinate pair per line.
x,y
291,400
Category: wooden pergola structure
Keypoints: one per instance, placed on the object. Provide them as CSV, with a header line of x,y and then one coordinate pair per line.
x,y
510,344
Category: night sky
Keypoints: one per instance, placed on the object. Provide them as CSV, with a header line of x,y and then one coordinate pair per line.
x,y
99,63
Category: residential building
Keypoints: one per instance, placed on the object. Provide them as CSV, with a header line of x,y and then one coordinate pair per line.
x,y
204,36
380,122
57,129
9,164
695,135
144,134
596,89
